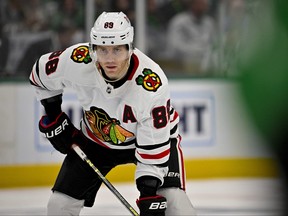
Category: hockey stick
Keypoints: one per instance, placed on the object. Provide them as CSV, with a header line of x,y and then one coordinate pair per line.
x,y
104,180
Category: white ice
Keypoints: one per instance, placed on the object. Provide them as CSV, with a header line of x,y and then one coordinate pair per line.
x,y
213,197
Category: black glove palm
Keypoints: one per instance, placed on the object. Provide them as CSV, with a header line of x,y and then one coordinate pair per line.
x,y
149,203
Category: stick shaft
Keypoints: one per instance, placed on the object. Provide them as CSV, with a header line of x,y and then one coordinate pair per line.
x,y
83,156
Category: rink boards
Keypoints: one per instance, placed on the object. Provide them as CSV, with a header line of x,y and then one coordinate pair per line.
x,y
218,137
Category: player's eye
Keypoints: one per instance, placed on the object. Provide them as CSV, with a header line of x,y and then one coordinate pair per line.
x,y
102,51
117,50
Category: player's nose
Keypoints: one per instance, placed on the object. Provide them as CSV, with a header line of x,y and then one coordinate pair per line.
x,y
110,57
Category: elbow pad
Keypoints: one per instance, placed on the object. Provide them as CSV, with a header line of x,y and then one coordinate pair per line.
x,y
52,106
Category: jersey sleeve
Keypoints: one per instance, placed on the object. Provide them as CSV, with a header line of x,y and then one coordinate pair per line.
x,y
153,136
47,75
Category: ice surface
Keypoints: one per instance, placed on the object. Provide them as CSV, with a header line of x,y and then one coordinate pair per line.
x,y
233,197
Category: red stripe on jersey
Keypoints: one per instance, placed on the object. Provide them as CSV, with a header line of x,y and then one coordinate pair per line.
x,y
175,116
136,64
94,138
33,80
155,156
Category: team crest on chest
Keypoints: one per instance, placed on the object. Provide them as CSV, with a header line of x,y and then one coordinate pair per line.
x,y
81,54
106,128
150,81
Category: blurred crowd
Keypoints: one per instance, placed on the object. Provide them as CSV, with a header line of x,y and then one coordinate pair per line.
x,y
185,36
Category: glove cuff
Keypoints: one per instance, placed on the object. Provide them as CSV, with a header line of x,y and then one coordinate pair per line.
x,y
147,185
60,132
46,123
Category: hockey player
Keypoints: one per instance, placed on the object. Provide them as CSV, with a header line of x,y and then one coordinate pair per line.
x,y
127,118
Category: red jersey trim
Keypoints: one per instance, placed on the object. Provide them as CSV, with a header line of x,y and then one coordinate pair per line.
x,y
33,80
136,64
156,156
175,116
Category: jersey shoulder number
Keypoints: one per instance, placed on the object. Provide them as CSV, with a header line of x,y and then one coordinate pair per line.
x,y
80,54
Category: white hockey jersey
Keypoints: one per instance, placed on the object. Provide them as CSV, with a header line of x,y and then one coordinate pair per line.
x,y
136,114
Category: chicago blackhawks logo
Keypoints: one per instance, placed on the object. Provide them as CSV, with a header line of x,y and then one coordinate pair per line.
x,y
81,54
150,81
105,128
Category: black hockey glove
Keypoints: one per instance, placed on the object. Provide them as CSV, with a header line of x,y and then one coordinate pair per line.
x,y
149,203
61,133
152,206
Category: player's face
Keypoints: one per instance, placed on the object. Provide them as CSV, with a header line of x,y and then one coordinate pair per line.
x,y
114,60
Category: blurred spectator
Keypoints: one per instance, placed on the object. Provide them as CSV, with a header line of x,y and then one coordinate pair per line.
x,y
69,13
126,6
4,48
68,22
23,24
35,16
190,37
22,16
235,26
158,15
33,27
12,16
214,7
169,8
156,37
